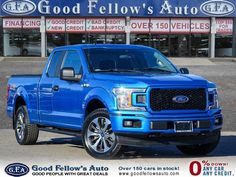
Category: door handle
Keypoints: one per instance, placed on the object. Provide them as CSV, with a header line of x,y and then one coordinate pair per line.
x,y
55,88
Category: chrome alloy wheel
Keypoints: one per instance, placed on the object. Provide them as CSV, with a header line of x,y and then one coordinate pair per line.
x,y
20,125
100,136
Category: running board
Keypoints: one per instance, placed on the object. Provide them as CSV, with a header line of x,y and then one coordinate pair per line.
x,y
61,131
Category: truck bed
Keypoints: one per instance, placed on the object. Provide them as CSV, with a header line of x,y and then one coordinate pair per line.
x,y
26,75
27,87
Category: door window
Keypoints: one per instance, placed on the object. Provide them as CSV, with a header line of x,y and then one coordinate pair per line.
x,y
55,63
72,60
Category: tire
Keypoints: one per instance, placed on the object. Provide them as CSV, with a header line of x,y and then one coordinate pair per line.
x,y
98,138
26,133
199,149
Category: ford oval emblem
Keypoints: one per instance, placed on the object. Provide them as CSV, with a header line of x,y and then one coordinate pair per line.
x,y
17,169
16,7
217,8
180,99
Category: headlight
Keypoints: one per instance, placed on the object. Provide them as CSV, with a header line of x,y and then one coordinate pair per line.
x,y
213,98
124,98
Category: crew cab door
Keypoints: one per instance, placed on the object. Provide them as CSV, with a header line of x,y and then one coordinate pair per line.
x,y
68,95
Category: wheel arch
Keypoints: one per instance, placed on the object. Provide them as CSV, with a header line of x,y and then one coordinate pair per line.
x,y
21,98
93,105
98,98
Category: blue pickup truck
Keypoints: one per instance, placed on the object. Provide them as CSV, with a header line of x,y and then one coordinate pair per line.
x,y
116,96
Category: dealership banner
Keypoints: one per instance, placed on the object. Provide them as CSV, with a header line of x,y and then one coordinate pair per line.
x,y
118,25
224,26
21,23
113,168
137,8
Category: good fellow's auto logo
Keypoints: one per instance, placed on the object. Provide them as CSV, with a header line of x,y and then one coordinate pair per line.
x,y
180,99
18,7
17,169
217,8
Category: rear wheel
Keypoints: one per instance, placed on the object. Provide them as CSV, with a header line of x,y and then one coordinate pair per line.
x,y
200,149
98,138
25,132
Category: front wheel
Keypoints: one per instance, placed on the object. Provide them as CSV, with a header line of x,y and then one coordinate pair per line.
x,y
97,135
199,149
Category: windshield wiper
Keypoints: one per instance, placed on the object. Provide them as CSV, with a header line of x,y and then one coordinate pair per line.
x,y
133,70
156,69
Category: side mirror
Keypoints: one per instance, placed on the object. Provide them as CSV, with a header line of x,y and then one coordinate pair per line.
x,y
68,74
184,70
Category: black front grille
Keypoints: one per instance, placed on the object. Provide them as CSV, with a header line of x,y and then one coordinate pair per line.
x,y
162,99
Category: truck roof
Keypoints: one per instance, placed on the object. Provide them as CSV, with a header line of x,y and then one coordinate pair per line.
x,y
114,46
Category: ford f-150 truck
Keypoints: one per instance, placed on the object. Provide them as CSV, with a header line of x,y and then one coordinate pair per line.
x,y
116,96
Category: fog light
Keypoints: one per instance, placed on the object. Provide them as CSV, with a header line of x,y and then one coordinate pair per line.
x,y
203,124
128,123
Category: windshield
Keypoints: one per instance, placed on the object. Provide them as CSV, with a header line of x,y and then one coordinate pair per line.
x,y
127,60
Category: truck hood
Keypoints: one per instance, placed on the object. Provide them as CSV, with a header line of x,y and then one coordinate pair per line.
x,y
151,79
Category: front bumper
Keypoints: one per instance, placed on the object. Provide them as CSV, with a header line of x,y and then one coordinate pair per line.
x,y
160,128
153,139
